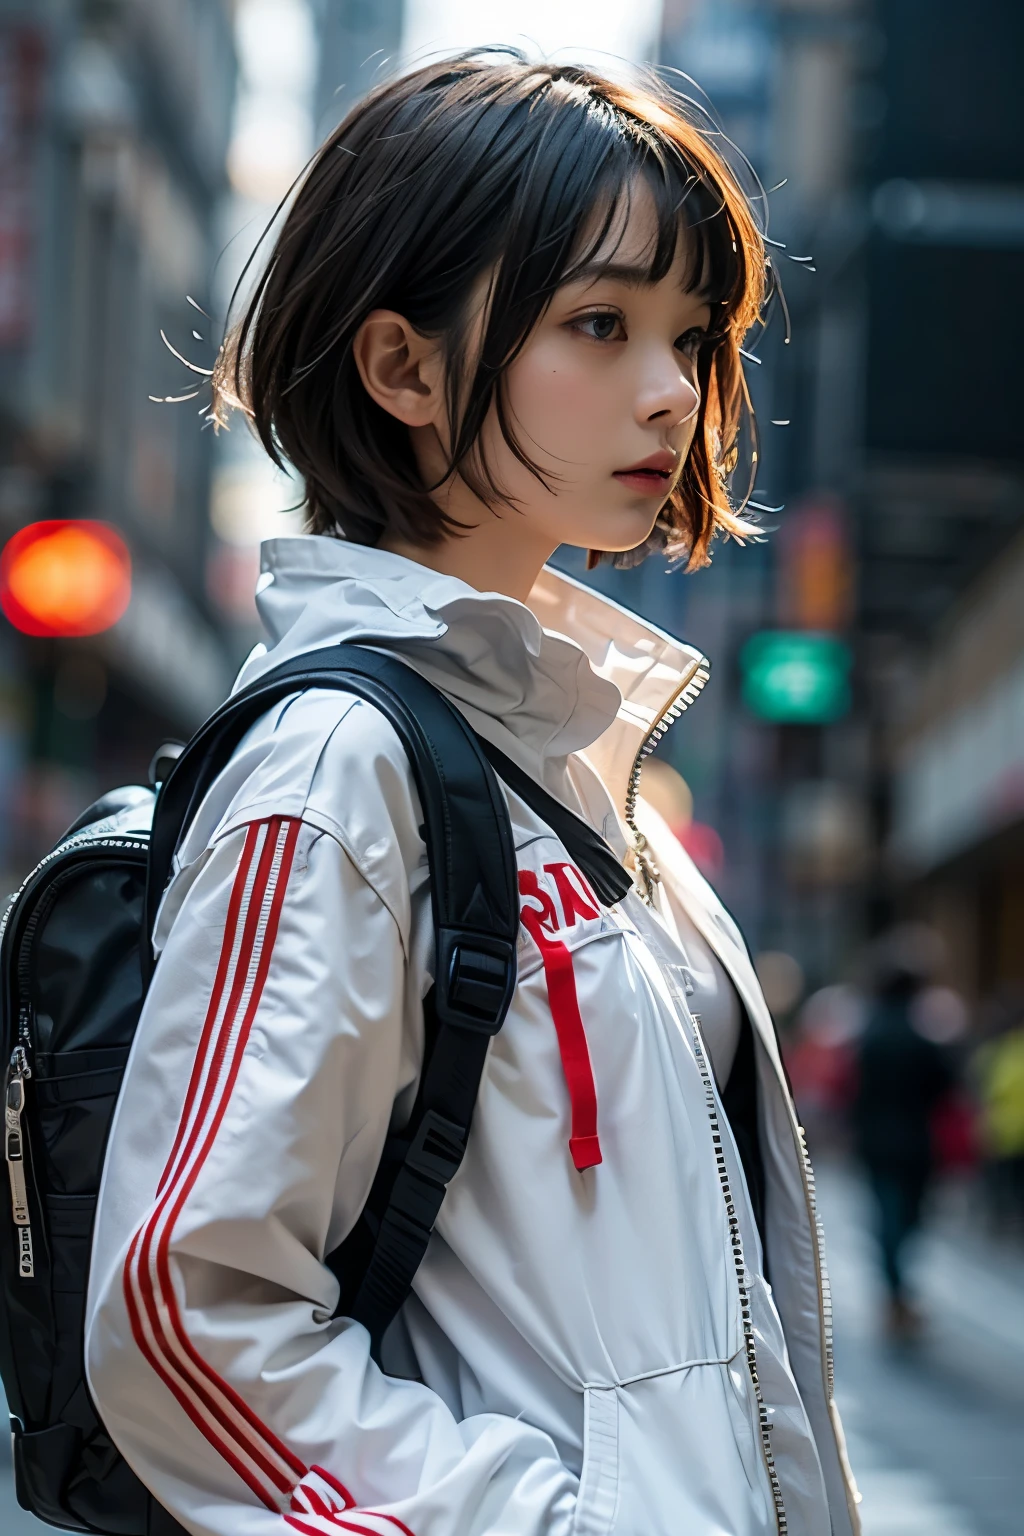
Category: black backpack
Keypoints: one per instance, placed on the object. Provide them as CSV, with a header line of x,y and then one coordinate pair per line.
x,y
75,960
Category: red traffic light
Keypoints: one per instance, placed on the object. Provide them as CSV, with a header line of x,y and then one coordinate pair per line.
x,y
65,578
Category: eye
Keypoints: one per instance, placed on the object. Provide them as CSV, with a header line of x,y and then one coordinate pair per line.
x,y
601,325
691,341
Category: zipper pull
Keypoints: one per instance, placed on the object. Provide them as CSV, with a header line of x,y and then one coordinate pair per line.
x,y
18,1073
646,868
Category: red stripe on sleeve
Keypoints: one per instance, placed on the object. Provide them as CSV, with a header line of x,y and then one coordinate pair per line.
x,y
268,1467
219,1412
199,1068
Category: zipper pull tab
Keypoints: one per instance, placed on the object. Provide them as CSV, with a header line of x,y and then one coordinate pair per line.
x,y
646,868
18,1073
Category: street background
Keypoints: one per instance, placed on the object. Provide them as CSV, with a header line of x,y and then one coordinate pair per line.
x,y
857,760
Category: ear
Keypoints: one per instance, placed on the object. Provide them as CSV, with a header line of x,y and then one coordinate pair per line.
x,y
400,369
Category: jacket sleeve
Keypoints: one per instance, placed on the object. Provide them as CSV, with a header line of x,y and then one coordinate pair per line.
x,y
272,1048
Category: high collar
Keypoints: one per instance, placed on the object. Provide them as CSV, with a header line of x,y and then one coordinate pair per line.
x,y
568,672
649,668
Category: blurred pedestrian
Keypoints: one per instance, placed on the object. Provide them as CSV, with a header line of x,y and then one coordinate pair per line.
x,y
902,1076
821,1054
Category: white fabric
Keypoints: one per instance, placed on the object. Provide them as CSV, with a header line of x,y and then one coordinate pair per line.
x,y
578,1335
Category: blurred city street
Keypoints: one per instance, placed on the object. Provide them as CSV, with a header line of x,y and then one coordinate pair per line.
x,y
935,1432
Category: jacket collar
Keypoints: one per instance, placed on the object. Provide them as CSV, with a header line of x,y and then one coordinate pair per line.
x,y
649,668
570,671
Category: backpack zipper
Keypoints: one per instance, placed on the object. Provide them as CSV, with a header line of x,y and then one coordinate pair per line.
x,y
18,1072
81,843
17,1151
677,706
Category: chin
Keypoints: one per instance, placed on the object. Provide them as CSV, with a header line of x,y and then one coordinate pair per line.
x,y
629,534
607,530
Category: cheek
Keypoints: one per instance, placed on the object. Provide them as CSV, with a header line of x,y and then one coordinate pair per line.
x,y
687,433
561,399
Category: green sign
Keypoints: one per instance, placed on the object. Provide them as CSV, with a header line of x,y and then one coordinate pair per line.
x,y
796,677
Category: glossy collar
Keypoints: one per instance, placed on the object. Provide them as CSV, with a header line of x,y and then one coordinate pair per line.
x,y
570,671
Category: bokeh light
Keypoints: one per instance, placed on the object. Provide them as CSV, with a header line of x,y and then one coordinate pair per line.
x,y
65,578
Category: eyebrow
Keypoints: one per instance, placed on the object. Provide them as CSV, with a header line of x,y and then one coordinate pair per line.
x,y
615,272
622,272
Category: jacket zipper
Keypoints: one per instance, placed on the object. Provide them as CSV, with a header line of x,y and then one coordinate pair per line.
x,y
818,1240
649,875
824,1300
18,1072
736,1243
677,706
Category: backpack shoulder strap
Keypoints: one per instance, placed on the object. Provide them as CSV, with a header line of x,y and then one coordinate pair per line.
x,y
466,824
475,905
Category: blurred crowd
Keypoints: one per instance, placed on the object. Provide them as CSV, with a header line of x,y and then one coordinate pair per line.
x,y
896,1072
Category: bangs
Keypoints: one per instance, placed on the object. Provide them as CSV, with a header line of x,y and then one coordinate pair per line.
x,y
585,154
583,160
688,210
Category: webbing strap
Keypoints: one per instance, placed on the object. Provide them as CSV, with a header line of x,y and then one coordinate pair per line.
x,y
431,1154
585,847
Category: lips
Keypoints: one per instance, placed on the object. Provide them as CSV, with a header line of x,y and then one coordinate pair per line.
x,y
652,476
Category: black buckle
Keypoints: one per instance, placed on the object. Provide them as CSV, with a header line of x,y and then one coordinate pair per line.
x,y
476,981
437,1149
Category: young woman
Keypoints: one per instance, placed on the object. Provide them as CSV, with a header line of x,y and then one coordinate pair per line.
x,y
503,314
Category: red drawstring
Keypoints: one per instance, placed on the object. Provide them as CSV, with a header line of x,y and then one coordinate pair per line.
x,y
565,1011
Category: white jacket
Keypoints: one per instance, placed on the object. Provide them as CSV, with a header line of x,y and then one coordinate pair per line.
x,y
591,1346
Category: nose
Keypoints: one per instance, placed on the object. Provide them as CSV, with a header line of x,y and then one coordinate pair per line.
x,y
667,394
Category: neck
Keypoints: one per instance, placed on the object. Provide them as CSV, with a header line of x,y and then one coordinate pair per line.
x,y
497,555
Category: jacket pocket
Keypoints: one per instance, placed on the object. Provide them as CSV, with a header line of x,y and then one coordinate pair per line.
x,y
598,1497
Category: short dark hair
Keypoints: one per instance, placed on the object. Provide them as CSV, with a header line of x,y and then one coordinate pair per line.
x,y
475,164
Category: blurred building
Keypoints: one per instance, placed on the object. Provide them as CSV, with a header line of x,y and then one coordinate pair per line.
x,y
955,760
896,129
113,129
777,755
942,498
358,45
302,65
